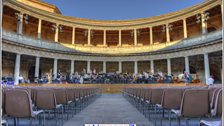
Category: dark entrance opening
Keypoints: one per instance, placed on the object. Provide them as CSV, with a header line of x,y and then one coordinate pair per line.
x,y
31,74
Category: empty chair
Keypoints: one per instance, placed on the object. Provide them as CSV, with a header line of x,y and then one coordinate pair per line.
x,y
195,104
46,100
217,111
171,98
156,96
210,123
18,105
70,95
61,98
213,98
211,91
148,95
146,99
60,94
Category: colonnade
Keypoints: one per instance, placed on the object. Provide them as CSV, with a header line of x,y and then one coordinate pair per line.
x,y
88,67
135,31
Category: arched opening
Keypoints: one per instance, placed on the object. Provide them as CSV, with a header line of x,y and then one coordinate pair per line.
x,y
31,74
193,70
211,29
216,72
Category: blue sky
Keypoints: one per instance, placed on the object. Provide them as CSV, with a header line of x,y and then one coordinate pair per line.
x,y
119,9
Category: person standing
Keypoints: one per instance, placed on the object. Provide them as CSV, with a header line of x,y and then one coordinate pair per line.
x,y
210,81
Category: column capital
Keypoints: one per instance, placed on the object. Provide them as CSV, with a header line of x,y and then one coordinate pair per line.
x,y
18,54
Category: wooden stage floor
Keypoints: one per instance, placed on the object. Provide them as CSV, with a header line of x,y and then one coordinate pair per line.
x,y
114,88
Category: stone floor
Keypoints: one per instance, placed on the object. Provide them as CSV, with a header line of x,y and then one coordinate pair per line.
x,y
109,109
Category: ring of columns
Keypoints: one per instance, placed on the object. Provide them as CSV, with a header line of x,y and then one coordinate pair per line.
x,y
91,40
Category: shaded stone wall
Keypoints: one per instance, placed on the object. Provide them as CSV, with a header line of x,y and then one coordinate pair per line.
x,y
160,65
144,66
80,65
27,66
112,67
46,66
127,67
8,64
98,66
177,65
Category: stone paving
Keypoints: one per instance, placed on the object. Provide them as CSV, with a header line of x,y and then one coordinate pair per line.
x,y
109,109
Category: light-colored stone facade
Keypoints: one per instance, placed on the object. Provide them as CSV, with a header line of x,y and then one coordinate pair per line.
x,y
111,46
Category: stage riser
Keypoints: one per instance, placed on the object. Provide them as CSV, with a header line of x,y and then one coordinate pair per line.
x,y
112,88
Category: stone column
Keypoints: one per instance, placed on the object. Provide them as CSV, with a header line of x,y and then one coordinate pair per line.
x,y
185,27
152,66
88,67
135,37
151,35
37,67
17,69
169,66
119,37
55,69
56,33
104,37
187,68
72,67
167,33
222,74
203,23
222,9
39,29
73,35
120,67
104,67
136,67
20,23
89,37
207,69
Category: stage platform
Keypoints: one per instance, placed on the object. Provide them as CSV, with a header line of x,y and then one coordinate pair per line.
x,y
115,88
